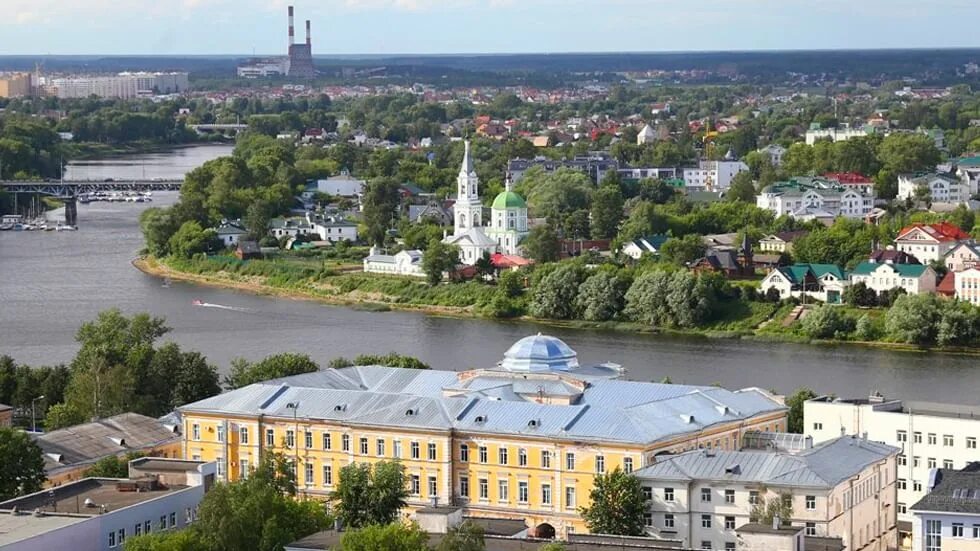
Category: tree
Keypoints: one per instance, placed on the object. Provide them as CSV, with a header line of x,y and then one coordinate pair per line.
x,y
607,212
794,419
690,299
646,299
186,377
865,329
765,510
380,204
277,366
683,250
259,512
180,540
600,297
541,244
557,194
825,322
391,359
742,188
913,319
858,294
617,505
959,325
484,267
63,415
439,258
112,466
21,464
158,225
191,239
366,496
465,536
385,537
551,546
555,295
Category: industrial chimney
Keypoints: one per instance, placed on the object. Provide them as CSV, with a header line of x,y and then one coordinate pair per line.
x,y
309,41
292,31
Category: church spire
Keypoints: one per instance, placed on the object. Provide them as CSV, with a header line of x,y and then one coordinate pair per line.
x,y
467,167
508,183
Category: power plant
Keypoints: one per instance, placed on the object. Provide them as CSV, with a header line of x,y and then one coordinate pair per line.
x,y
298,63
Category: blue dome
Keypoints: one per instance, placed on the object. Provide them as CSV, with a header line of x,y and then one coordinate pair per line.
x,y
539,353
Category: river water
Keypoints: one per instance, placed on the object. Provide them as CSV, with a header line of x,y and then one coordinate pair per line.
x,y
52,282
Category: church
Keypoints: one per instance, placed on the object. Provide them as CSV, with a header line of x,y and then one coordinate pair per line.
x,y
508,218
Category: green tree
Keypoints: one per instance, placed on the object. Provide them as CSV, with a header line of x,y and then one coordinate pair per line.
x,y
191,239
913,319
244,373
825,322
465,536
385,537
765,510
866,329
180,540
794,419
683,250
63,415
541,244
555,295
901,153
380,205
959,325
366,495
183,377
21,464
158,225
858,294
439,258
557,194
646,299
552,546
392,359
113,466
607,212
600,297
617,505
690,299
742,188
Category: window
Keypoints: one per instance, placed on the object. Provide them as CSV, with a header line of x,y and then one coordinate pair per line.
x,y
976,531
397,451
146,527
522,492
432,451
522,457
502,456
308,473
345,443
173,519
705,544
647,519
464,453
309,440
947,463
729,546
464,486
818,426
916,461
326,440
901,507
243,435
628,465
811,529
600,463
705,521
668,520
163,522
729,496
196,430
570,500
503,490
364,445
901,483
483,454
753,497
932,439
570,461
931,462
901,436
380,445
290,438
957,530
327,475
669,495
546,494
112,539
916,486
415,485
433,487
917,437
545,460
221,466
902,461
221,432
484,487
971,443
948,440
647,493
934,537
706,495
811,503
729,523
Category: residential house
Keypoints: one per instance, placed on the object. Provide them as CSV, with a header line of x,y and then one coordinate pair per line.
x,y
333,228
230,232
890,255
947,286
843,133
810,198
930,242
713,175
968,170
6,415
342,185
962,256
824,282
728,262
629,174
780,242
291,227
248,250
406,263
651,244
966,285
775,153
646,135
914,279
939,188
930,435
844,487
433,211
853,180
521,439
948,517
99,514
70,451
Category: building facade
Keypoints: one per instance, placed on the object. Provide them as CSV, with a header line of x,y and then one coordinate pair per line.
x,y
914,279
16,85
963,256
938,187
809,198
930,242
823,282
713,175
967,286
948,517
121,86
521,440
406,263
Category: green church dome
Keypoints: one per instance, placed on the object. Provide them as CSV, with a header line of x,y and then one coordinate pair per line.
x,y
509,200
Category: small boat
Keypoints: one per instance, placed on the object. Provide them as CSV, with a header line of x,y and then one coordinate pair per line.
x,y
6,227
166,283
18,227
66,227
197,302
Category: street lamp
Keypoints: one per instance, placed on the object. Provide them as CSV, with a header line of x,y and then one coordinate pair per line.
x,y
33,417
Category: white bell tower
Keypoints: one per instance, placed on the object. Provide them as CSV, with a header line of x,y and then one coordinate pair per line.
x,y
468,211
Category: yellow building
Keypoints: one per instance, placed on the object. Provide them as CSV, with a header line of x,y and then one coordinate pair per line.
x,y
13,85
523,439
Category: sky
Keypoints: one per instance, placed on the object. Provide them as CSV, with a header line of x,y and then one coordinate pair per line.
x,y
244,27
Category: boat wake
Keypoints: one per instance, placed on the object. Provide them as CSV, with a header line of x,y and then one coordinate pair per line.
x,y
219,306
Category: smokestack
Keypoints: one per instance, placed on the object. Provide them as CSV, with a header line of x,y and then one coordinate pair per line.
x,y
309,42
292,31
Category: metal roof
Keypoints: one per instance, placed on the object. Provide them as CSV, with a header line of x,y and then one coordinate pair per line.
x,y
955,491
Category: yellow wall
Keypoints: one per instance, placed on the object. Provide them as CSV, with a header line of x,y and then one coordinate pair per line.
x,y
448,468
6,417
15,85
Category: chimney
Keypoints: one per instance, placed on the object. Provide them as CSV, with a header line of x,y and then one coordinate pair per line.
x,y
309,41
775,522
292,31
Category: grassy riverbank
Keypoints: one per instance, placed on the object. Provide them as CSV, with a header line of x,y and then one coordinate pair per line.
x,y
340,282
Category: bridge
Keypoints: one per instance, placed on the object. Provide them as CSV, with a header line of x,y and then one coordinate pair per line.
x,y
203,128
69,190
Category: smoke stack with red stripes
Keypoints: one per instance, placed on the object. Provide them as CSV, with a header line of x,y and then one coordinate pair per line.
x,y
292,31
309,40
300,63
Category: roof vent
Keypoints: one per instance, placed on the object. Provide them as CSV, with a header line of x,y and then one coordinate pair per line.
x,y
480,419
410,412
734,469
56,457
118,441
89,502
687,418
533,423
340,407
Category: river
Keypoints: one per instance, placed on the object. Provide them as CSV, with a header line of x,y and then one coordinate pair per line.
x,y
52,282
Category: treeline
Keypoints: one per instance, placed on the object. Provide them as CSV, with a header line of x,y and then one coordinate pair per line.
x,y
29,149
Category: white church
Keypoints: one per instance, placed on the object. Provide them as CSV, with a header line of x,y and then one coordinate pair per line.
x,y
508,218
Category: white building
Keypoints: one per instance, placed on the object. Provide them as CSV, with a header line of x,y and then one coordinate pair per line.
x,y
262,68
713,175
967,285
948,518
650,244
930,435
962,256
807,198
941,188
98,514
508,221
775,153
882,277
836,134
930,242
230,232
843,488
342,185
121,86
968,169
823,282
334,229
405,263
646,135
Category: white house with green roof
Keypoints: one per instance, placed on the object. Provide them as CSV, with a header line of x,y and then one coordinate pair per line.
x,y
880,277
823,282
968,169
508,221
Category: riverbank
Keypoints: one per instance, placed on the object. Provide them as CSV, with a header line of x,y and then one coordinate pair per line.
x,y
367,292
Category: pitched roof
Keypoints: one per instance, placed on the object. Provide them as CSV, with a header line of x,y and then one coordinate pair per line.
x,y
823,466
904,270
948,285
786,236
955,491
942,232
475,235
797,272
